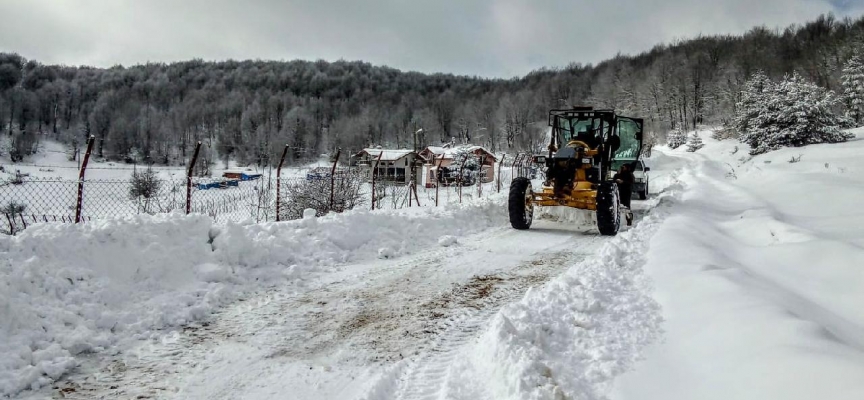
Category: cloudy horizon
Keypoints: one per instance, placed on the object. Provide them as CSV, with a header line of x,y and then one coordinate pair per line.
x,y
495,39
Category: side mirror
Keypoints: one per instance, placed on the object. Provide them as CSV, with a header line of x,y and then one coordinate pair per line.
x,y
647,169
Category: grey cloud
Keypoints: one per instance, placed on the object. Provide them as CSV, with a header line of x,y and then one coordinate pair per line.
x,y
489,38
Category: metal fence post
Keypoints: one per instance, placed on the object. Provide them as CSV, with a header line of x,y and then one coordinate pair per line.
x,y
279,182
437,177
374,173
189,178
461,171
80,200
11,225
333,178
500,167
480,176
515,167
416,196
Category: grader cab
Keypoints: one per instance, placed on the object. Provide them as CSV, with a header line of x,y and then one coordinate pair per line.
x,y
584,144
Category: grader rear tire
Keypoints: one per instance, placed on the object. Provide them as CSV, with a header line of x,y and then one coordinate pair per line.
x,y
608,209
519,204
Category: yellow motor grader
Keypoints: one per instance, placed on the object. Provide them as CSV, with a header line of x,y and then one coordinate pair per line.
x,y
584,144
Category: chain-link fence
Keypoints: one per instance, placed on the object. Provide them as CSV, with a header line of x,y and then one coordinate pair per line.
x,y
36,200
248,197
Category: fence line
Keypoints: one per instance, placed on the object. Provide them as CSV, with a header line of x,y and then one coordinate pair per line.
x,y
247,197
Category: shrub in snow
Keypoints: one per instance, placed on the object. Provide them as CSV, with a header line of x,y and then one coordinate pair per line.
x,y
144,188
694,143
853,89
315,194
724,133
12,210
793,112
385,252
447,241
675,139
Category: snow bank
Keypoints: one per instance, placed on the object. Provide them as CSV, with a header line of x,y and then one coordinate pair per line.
x,y
68,290
758,271
354,235
72,289
572,336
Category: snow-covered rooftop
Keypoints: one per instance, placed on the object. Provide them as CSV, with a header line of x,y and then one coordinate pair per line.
x,y
387,154
448,152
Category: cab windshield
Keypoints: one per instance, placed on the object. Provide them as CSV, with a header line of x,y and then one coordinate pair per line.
x,y
585,129
629,131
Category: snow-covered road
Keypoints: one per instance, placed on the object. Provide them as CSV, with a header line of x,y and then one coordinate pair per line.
x,y
402,320
741,279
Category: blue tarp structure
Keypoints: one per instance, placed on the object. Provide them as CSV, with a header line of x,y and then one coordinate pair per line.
x,y
249,177
219,184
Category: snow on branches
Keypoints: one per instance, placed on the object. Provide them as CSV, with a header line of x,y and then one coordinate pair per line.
x,y
853,89
694,143
676,139
793,112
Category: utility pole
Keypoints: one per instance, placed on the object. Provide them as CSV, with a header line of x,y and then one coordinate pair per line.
x,y
415,138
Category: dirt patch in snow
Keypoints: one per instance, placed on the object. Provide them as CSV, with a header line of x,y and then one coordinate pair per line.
x,y
400,320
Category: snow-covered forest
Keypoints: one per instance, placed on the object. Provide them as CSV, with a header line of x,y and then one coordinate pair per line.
x,y
249,110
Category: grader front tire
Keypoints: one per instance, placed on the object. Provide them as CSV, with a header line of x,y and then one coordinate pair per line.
x,y
608,209
519,204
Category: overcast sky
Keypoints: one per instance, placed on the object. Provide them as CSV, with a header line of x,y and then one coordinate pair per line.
x,y
501,38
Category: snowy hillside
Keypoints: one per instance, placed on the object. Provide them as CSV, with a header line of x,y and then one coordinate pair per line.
x,y
740,279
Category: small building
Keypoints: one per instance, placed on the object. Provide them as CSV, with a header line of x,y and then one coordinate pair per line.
x,y
432,155
393,166
243,176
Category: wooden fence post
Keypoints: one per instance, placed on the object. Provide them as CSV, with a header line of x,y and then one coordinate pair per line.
x,y
189,178
80,200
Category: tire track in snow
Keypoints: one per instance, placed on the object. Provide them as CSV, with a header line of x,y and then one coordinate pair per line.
x,y
415,311
476,302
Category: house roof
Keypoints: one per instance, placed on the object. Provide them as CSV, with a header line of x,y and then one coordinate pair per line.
x,y
387,154
448,152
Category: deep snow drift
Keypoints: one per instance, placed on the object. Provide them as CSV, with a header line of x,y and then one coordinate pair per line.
x,y
758,269
68,290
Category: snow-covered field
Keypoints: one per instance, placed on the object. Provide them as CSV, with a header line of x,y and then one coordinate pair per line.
x,y
50,190
740,279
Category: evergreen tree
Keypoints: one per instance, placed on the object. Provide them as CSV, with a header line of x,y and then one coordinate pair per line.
x,y
753,98
465,161
694,143
676,139
792,113
853,88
